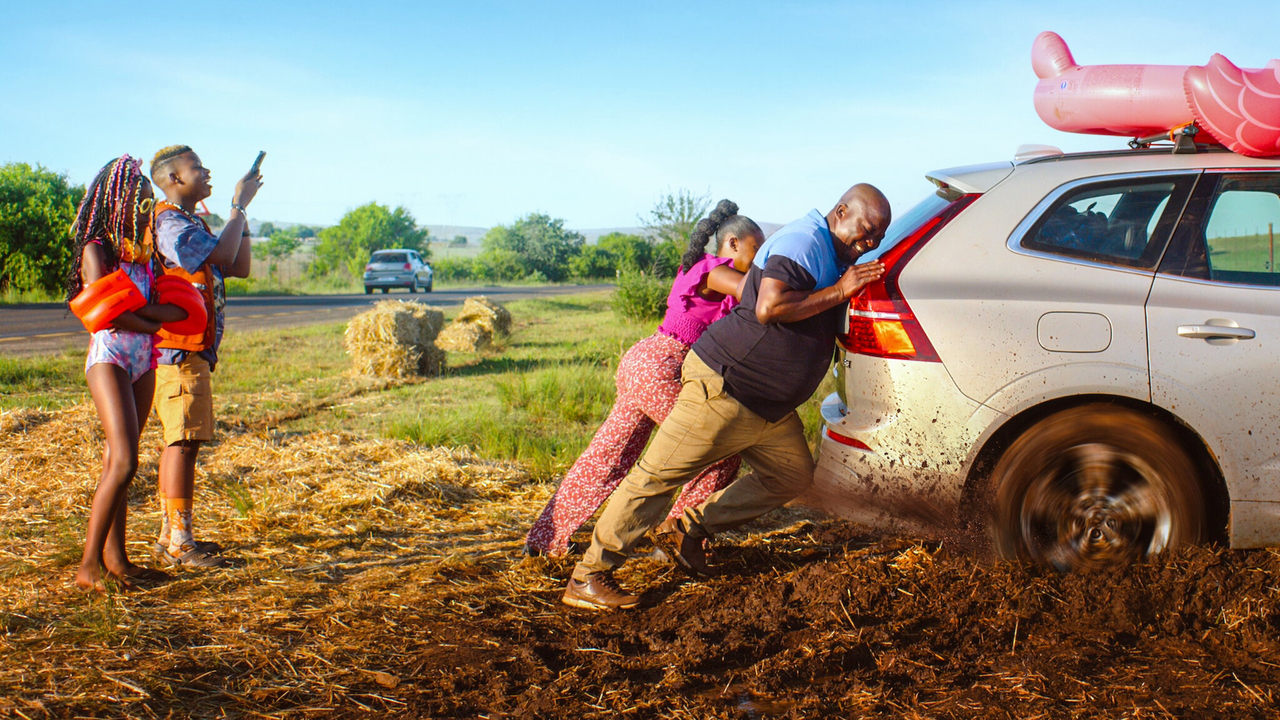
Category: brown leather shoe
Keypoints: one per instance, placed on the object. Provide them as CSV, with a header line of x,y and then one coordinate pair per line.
x,y
689,552
600,591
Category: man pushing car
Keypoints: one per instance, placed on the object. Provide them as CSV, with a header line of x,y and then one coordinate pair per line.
x,y
742,382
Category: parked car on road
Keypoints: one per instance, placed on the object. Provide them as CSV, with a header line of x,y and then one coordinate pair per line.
x,y
1079,350
397,268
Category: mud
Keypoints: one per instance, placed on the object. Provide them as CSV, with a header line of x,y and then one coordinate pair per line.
x,y
827,621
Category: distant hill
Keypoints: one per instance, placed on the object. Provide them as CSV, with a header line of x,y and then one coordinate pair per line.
x,y
473,234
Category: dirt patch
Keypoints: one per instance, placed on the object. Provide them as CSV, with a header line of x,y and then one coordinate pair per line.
x,y
381,578
821,620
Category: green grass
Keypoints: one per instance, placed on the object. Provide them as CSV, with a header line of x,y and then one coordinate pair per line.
x,y
48,381
1247,253
535,398
541,417
10,296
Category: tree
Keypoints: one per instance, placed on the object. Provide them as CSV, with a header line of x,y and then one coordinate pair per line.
x,y
347,245
215,221
630,252
593,261
279,246
539,242
458,241
37,207
670,223
267,229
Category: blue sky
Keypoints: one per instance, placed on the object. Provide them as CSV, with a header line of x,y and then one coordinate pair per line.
x,y
478,113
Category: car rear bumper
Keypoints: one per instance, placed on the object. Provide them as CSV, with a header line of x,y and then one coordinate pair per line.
x,y
899,453
404,280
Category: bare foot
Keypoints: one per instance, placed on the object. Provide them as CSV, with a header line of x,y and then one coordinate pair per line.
x,y
89,579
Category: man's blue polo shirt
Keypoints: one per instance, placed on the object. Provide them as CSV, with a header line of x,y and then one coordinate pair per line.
x,y
772,369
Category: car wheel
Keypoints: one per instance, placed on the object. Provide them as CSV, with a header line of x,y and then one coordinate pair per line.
x,y
1094,486
429,284
368,290
413,286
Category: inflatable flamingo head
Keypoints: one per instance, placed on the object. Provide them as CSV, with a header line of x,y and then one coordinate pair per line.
x,y
1237,107
1050,56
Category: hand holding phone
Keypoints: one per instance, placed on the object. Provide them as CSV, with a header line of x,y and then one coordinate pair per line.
x,y
257,163
249,184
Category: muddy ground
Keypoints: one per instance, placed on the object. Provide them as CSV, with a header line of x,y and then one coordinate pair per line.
x,y
824,620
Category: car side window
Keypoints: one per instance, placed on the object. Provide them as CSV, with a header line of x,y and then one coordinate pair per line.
x,y
1121,222
1228,234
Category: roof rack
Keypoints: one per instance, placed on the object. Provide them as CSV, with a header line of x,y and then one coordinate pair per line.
x,y
1183,137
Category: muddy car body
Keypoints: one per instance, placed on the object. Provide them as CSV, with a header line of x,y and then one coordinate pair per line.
x,y
1078,351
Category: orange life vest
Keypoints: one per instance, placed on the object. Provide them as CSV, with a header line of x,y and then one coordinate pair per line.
x,y
203,281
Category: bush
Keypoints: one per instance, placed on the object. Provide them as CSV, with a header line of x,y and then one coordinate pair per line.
x,y
37,207
453,269
640,296
593,261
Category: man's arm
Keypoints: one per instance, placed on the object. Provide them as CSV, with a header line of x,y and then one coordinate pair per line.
x,y
778,302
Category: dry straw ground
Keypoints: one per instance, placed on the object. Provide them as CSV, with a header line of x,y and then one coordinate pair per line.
x,y
378,578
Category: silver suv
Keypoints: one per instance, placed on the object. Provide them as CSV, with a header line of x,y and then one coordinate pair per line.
x,y
1081,352
397,268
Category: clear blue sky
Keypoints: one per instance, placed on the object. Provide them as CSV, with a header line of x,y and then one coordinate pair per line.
x,y
477,113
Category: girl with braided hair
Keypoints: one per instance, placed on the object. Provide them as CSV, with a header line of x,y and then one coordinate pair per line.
x,y
112,232
648,382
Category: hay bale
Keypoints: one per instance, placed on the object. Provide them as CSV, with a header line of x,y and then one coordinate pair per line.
x,y
486,313
464,336
395,339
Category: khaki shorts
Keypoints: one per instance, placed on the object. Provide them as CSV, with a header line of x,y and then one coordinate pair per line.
x,y
184,400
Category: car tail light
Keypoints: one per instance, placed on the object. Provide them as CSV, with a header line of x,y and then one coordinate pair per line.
x,y
846,440
881,323
407,266
367,268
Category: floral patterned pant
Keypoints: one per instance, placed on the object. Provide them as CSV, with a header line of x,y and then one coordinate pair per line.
x,y
648,382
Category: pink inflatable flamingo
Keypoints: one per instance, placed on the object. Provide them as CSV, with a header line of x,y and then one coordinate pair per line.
x,y
1237,107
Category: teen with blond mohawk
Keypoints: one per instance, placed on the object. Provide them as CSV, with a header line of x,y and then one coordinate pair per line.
x,y
188,249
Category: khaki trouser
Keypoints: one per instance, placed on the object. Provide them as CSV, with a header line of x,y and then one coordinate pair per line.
x,y
705,426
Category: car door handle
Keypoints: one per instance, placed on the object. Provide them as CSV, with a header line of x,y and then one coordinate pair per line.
x,y
1216,329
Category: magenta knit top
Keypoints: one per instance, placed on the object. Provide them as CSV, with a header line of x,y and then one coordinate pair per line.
x,y
688,313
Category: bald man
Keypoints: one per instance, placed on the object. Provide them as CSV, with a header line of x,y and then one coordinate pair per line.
x,y
742,383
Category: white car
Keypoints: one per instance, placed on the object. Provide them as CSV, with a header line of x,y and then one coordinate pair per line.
x,y
397,267
1081,352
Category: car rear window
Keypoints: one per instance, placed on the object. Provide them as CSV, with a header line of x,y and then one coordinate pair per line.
x,y
390,258
1121,222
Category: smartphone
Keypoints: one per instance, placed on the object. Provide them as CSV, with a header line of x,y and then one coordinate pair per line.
x,y
257,163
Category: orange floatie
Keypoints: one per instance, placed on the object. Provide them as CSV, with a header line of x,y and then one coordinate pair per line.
x,y
106,299
173,290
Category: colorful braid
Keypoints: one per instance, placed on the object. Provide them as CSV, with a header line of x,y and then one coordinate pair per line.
x,y
107,215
